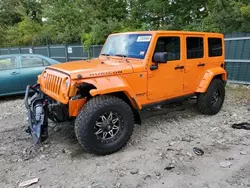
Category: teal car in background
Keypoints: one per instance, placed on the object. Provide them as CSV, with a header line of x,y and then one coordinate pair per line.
x,y
18,71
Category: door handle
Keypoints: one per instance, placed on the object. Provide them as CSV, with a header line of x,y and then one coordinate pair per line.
x,y
179,67
201,65
15,73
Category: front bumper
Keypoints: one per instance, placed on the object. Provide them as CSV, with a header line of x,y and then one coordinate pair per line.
x,y
37,114
41,107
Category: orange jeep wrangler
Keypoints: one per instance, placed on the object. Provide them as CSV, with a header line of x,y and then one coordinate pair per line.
x,y
134,71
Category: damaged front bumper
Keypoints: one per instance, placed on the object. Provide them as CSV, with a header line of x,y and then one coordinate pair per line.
x,y
41,107
37,108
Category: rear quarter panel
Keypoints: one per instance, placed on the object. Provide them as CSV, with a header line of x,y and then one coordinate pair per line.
x,y
214,65
213,62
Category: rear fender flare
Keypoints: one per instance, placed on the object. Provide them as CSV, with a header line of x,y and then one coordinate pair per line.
x,y
209,76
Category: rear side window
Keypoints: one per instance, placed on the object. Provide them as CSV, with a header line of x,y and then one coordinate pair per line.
x,y
45,63
215,47
195,47
33,62
171,45
8,63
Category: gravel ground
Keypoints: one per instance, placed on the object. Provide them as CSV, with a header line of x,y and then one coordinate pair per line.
x,y
160,153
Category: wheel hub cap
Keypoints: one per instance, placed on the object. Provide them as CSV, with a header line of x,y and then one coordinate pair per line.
x,y
107,126
215,97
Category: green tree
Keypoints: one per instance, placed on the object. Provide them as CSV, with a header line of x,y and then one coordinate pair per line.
x,y
29,22
8,13
64,21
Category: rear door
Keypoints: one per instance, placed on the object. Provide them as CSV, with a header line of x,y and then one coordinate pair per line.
x,y
195,62
9,75
31,67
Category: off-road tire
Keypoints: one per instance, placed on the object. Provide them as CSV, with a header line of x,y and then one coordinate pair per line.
x,y
204,104
86,120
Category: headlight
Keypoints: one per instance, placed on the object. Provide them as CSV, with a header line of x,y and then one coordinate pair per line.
x,y
67,83
44,75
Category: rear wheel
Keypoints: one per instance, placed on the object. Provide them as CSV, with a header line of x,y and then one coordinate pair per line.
x,y
104,125
212,100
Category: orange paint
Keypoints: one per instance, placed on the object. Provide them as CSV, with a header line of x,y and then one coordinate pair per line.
x,y
75,106
133,76
208,76
53,83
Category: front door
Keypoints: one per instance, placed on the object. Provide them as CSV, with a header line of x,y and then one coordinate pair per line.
x,y
9,75
166,81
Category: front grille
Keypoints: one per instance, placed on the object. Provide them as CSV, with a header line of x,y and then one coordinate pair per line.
x,y
53,84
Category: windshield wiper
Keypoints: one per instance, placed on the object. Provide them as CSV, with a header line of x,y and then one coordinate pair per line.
x,y
120,55
105,54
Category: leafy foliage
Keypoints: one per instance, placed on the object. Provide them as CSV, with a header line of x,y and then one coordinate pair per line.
x,y
30,22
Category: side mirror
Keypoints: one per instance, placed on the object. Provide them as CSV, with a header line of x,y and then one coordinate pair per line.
x,y
160,57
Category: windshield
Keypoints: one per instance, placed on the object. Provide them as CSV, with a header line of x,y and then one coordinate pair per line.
x,y
127,45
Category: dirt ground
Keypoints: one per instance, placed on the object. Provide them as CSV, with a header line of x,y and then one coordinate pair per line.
x,y
164,140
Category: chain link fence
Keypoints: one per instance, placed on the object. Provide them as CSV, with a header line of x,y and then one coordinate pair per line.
x,y
237,50
62,53
237,47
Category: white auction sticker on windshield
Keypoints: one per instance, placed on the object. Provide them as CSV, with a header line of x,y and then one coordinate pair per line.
x,y
142,52
143,38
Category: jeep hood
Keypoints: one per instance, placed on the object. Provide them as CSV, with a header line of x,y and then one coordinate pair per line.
x,y
93,68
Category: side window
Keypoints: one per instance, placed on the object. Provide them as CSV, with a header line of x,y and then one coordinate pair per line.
x,y
171,45
38,62
32,62
195,47
215,47
45,63
8,63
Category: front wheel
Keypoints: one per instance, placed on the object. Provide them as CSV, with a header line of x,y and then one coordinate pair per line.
x,y
104,125
212,100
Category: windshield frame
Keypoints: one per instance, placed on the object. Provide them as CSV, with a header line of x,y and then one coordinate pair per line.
x,y
139,39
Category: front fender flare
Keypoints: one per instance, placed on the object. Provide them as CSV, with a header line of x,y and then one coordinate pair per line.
x,y
208,77
112,84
